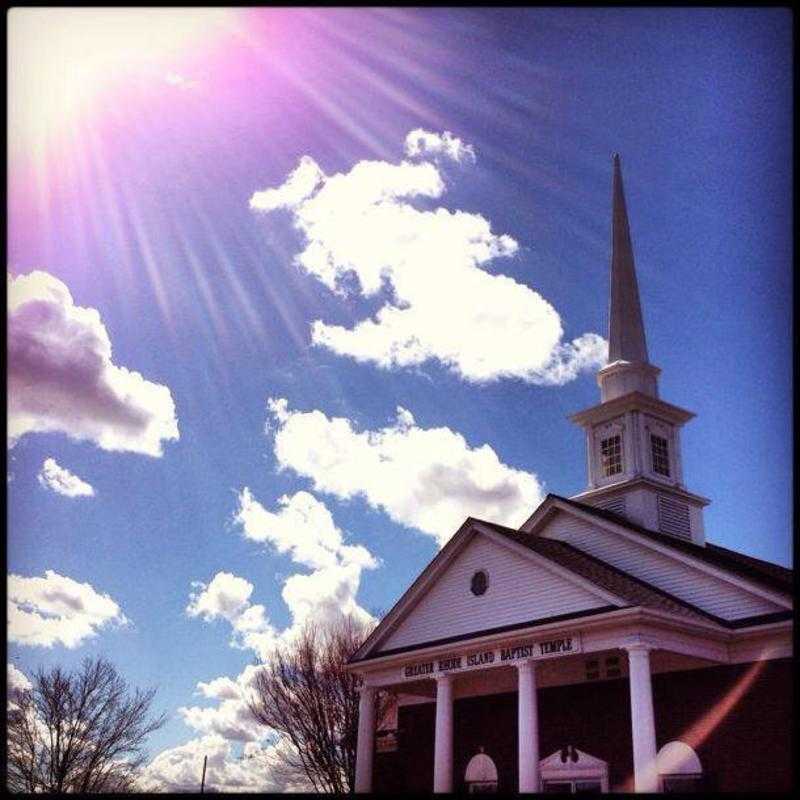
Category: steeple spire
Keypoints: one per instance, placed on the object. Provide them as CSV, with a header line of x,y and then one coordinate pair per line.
x,y
626,339
628,368
632,436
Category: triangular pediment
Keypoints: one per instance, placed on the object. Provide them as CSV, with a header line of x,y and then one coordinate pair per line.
x,y
521,586
570,758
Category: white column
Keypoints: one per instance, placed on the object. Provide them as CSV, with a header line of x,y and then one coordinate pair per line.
x,y
645,775
366,739
528,713
443,743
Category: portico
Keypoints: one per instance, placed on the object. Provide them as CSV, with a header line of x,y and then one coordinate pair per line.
x,y
525,663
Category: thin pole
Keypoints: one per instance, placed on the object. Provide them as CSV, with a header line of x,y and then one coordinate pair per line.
x,y
203,781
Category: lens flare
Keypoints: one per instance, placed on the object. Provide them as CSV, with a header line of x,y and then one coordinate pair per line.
x,y
702,728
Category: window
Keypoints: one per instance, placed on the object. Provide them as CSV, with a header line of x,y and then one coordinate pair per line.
x,y
588,787
571,771
660,452
612,668
481,775
386,734
611,455
682,784
679,768
572,787
557,787
479,583
386,741
488,787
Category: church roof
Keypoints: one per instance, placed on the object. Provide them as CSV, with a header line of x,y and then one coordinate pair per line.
x,y
631,590
766,573
636,592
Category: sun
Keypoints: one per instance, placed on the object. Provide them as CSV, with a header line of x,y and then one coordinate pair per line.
x,y
59,59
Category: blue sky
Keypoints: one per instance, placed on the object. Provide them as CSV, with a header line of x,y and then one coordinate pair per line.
x,y
140,198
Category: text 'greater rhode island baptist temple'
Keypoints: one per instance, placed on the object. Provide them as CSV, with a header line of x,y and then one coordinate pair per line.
x,y
602,646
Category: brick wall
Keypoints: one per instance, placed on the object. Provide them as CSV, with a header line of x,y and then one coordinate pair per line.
x,y
747,749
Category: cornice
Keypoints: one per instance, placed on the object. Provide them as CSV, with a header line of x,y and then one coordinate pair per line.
x,y
641,480
633,401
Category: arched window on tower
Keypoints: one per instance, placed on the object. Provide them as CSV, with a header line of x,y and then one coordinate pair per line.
x,y
679,768
481,774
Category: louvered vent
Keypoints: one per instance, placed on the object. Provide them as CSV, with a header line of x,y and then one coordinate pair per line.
x,y
615,504
673,518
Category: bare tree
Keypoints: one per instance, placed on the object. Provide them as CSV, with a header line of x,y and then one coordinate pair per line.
x,y
304,693
78,732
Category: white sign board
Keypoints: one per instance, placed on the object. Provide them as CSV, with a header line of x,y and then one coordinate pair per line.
x,y
552,647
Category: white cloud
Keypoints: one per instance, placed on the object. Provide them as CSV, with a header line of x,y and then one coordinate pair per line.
x,y
425,478
231,717
222,688
443,303
298,186
55,609
324,596
179,769
223,727
17,682
179,81
422,143
61,377
303,527
62,481
227,596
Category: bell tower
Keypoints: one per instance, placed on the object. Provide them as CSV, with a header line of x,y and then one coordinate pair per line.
x,y
632,436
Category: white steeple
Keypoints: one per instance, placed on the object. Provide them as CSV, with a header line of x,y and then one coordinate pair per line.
x,y
632,436
628,368
626,339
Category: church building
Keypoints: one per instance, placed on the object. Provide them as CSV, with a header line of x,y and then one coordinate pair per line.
x,y
602,646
